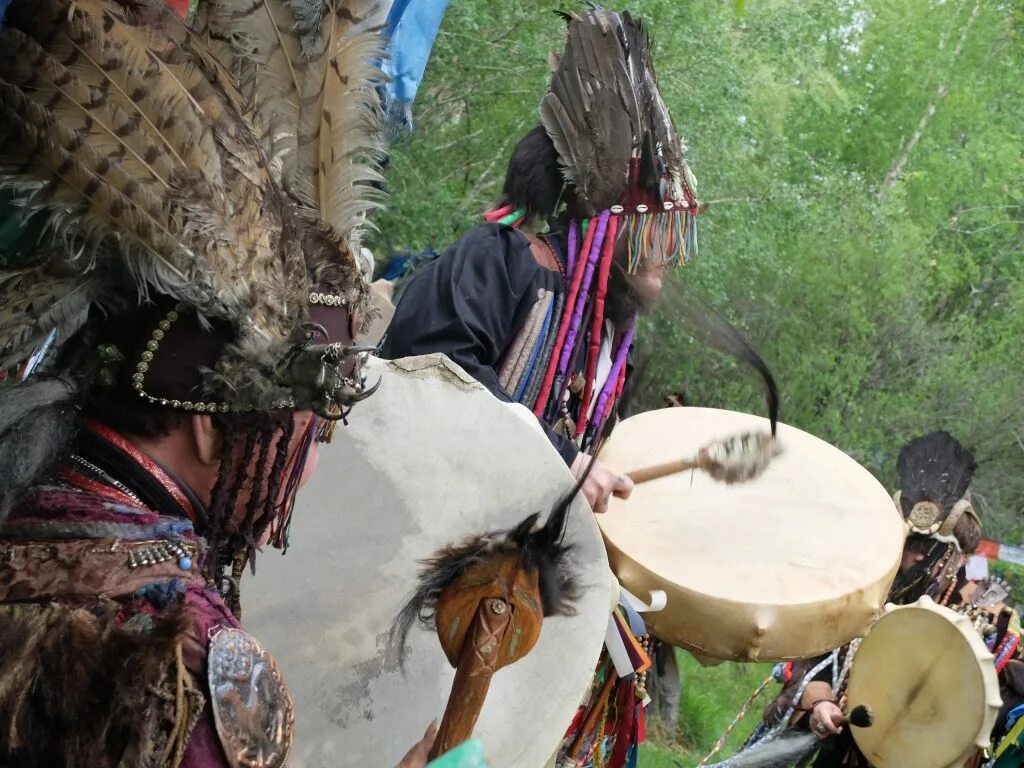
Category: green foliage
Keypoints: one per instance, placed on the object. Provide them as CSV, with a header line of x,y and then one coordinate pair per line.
x,y
1013,575
709,700
863,167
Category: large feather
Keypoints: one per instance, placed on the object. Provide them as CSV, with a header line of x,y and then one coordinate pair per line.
x,y
266,55
603,107
309,67
339,134
130,137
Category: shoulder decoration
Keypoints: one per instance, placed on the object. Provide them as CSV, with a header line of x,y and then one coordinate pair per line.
x,y
251,705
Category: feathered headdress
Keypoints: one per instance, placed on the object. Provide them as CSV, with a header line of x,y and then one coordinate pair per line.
x,y
935,479
217,175
606,144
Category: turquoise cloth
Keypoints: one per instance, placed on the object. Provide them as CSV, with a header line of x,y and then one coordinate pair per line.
x,y
467,755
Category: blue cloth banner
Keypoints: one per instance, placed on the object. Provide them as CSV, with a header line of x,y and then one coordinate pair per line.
x,y
412,26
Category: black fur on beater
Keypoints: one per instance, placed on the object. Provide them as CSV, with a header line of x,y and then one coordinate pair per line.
x,y
543,550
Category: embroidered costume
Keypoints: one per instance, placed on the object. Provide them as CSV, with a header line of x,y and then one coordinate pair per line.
x,y
199,185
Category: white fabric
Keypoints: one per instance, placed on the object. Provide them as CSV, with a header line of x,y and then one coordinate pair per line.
x,y
604,365
977,567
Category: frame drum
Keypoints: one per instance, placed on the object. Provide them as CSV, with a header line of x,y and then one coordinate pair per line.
x,y
430,458
786,566
931,685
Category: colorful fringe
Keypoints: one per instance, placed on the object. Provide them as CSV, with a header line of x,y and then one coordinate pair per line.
x,y
563,332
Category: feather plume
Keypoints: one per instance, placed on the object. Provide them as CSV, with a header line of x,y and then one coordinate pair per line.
x,y
603,109
135,147
162,159
935,468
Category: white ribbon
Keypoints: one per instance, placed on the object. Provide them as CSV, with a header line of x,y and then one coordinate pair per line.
x,y
613,640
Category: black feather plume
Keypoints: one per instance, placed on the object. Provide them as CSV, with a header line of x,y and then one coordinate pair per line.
x,y
706,324
935,468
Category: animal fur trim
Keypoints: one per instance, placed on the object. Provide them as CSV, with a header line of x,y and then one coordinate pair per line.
x,y
81,689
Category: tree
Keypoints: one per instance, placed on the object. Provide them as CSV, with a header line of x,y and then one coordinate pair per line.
x,y
863,164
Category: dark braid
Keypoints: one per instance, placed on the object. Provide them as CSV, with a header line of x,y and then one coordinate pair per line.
x,y
277,478
257,480
249,442
223,496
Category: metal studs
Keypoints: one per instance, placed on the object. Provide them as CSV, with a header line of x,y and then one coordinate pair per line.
x,y
498,606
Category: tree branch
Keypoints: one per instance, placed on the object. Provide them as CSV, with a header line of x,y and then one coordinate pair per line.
x,y
941,91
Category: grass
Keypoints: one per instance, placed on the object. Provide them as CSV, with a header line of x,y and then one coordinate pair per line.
x,y
710,698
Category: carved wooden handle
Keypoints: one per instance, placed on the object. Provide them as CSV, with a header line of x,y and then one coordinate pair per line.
x,y
661,470
477,664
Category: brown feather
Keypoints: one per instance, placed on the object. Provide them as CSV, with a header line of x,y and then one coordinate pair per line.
x,y
266,53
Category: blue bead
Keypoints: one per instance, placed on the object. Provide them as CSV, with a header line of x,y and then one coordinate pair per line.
x,y
185,563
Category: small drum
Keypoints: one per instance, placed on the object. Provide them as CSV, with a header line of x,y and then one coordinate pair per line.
x,y
789,565
930,682
430,458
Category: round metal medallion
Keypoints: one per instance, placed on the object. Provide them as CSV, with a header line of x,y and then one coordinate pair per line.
x,y
251,706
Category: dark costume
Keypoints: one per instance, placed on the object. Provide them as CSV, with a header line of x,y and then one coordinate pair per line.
x,y
538,303
490,303
196,261
935,477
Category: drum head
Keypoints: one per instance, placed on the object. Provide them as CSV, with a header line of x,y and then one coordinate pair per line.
x,y
428,459
789,565
931,685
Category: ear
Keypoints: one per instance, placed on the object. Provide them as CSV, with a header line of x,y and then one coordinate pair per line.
x,y
206,439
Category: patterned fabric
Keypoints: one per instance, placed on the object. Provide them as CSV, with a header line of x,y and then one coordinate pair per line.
x,y
130,641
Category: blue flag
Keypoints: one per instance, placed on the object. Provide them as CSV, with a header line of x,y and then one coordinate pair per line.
x,y
412,26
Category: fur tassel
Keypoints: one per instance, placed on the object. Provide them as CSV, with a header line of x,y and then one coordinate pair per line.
x,y
543,549
34,432
78,688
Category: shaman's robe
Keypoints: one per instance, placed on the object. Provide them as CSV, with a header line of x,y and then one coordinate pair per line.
x,y
105,619
492,302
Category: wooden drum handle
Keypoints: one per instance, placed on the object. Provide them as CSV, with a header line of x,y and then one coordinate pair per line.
x,y
661,470
477,664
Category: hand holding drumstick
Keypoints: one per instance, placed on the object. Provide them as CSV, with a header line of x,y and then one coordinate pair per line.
x,y
732,460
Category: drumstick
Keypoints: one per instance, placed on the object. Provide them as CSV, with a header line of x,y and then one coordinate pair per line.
x,y
733,460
